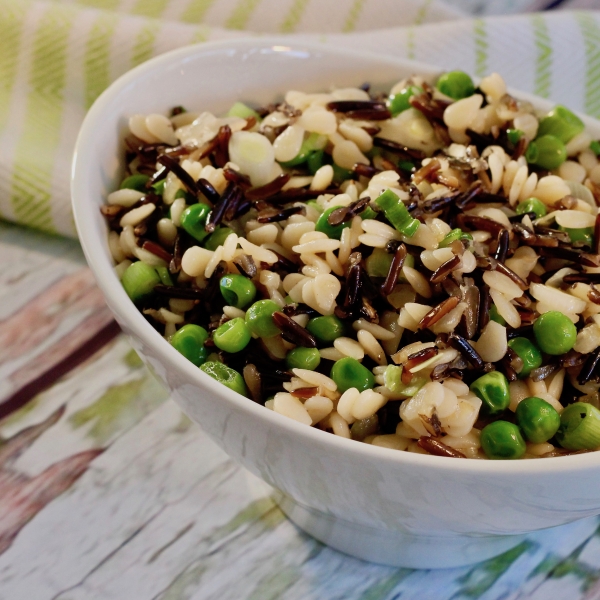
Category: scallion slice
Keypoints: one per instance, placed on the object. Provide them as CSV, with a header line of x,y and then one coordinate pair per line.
x,y
397,213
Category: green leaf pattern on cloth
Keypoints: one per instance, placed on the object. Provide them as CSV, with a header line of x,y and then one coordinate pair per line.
x,y
57,57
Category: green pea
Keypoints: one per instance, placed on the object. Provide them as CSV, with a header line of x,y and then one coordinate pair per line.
x,y
237,290
528,352
315,161
189,341
495,315
193,220
233,336
532,205
502,440
243,111
326,329
584,234
226,375
456,84
492,389
561,123
455,234
378,263
259,318
579,427
217,238
332,231
538,419
139,280
595,147
135,182
399,102
303,358
349,373
547,152
554,333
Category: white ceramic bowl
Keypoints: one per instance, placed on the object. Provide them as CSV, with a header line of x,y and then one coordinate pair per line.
x,y
382,505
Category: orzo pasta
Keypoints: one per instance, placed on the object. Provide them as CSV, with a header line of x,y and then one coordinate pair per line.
x,y
414,269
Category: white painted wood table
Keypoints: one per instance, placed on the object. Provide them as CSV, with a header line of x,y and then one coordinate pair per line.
x,y
107,491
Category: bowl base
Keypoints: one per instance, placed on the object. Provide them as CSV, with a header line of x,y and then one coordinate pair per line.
x,y
395,548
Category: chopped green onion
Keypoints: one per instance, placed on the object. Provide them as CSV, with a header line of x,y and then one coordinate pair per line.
x,y
378,263
397,213
392,379
315,161
584,234
455,234
241,110
579,427
314,142
139,280
165,276
315,205
595,147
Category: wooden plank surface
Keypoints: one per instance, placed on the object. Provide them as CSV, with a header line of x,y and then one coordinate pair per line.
x,y
107,491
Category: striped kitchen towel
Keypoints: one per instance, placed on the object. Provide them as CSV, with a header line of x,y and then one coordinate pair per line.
x,y
57,56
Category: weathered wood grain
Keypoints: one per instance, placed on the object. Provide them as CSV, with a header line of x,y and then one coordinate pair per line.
x,y
161,512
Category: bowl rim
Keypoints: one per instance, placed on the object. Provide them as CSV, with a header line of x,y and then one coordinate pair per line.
x,y
106,279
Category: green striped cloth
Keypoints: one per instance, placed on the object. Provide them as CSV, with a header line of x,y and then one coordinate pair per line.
x,y
56,58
